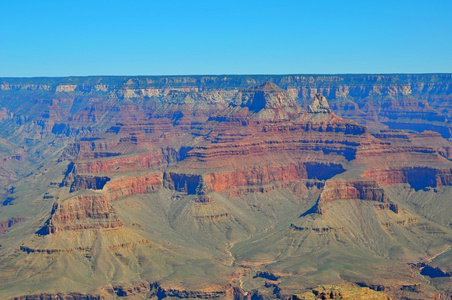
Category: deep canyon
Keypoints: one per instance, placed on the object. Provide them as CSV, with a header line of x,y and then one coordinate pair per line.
x,y
226,187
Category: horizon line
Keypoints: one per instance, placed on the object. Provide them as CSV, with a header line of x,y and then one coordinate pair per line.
x,y
231,74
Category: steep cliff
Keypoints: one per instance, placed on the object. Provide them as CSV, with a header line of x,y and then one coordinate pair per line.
x,y
125,187
319,105
82,212
353,189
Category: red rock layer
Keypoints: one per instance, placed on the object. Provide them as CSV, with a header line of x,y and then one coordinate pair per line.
x,y
95,211
220,181
353,189
82,212
252,178
122,163
89,148
121,188
347,128
417,177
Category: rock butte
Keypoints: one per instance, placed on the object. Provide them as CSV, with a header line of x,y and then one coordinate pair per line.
x,y
234,187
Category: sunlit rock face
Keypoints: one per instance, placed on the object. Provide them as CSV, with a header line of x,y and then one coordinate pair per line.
x,y
319,105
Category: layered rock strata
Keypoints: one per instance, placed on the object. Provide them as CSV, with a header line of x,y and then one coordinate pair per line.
x,y
353,189
416,177
80,213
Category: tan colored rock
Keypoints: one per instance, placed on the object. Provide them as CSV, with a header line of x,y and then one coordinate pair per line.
x,y
66,88
82,212
341,292
319,105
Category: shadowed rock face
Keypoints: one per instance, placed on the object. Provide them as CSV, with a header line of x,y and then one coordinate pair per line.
x,y
419,178
247,187
434,272
5,225
266,102
88,182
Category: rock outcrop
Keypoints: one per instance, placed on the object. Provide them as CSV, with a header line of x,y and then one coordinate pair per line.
x,y
122,163
5,225
341,292
124,187
80,213
256,176
417,177
319,105
265,96
85,182
353,189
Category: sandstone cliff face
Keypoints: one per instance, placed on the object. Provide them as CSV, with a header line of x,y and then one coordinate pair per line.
x,y
252,177
267,95
417,177
319,105
122,188
95,211
353,189
82,212
123,163
258,176
89,149
265,102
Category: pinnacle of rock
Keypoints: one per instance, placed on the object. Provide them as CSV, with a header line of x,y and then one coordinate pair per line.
x,y
319,105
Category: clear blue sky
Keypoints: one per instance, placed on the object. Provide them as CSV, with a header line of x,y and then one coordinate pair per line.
x,y
110,37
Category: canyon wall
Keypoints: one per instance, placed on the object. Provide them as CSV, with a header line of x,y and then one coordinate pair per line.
x,y
417,177
353,189
82,212
75,105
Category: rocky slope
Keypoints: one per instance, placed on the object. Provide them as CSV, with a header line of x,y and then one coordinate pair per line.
x,y
226,187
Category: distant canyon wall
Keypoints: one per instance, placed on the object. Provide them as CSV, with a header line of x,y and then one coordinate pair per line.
x,y
80,105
